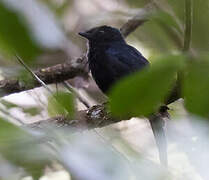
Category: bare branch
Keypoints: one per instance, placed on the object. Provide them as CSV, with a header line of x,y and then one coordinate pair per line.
x,y
33,74
138,20
94,117
49,75
131,25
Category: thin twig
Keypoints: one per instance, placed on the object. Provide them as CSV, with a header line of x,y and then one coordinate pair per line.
x,y
39,80
33,74
49,75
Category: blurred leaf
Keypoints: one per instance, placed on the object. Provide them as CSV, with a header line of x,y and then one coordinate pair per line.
x,y
196,87
14,35
61,9
177,7
28,110
166,18
25,77
143,92
103,163
33,111
22,149
170,26
58,7
97,160
200,25
61,103
8,105
161,32
138,3
153,36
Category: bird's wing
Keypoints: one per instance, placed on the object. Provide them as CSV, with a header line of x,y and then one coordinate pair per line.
x,y
125,59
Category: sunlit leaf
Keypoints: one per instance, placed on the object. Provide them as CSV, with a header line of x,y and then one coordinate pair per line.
x,y
196,87
15,36
143,92
22,149
61,103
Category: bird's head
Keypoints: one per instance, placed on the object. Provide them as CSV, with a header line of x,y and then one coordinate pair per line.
x,y
102,34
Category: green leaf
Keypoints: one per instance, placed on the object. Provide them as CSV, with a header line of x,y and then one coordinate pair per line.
x,y
32,111
143,92
22,149
15,36
8,105
61,103
196,87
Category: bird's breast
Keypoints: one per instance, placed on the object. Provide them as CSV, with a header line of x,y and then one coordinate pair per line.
x,y
100,70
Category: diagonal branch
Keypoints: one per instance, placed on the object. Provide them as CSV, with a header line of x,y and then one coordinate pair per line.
x,y
95,117
132,24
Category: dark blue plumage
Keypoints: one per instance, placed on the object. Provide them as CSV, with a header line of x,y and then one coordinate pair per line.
x,y
110,57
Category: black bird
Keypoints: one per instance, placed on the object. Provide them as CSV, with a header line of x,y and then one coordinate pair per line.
x,y
110,57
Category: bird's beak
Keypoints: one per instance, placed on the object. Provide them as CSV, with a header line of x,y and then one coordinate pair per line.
x,y
85,34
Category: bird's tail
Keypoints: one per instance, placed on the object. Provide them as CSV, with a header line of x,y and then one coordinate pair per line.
x,y
158,127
